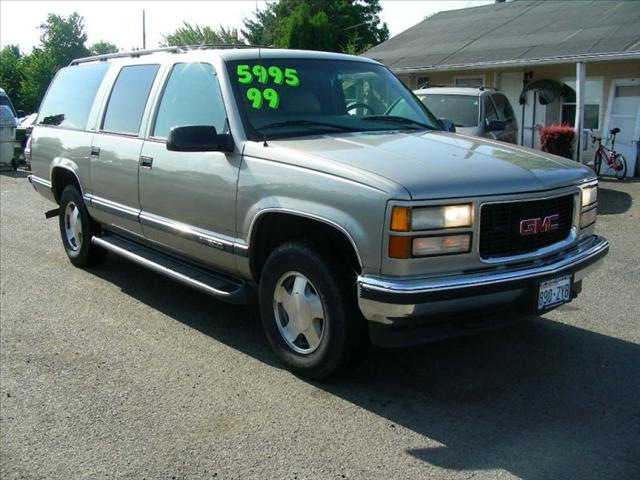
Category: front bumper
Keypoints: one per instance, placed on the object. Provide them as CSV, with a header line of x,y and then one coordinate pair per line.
x,y
456,304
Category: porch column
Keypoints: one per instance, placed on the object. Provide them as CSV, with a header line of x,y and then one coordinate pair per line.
x,y
579,120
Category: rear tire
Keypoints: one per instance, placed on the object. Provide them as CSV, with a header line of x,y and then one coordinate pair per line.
x,y
309,312
619,166
77,228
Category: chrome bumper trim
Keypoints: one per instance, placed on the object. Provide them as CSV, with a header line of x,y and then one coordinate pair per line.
x,y
405,291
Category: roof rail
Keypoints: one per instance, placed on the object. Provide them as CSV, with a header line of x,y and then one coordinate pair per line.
x,y
178,49
437,85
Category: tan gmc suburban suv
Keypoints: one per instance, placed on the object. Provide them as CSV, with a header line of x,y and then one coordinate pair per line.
x,y
316,183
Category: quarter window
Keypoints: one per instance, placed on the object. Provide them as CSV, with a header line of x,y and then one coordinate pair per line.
x,y
592,102
71,95
191,97
128,99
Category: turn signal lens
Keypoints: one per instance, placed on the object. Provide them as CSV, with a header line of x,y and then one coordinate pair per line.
x,y
399,247
400,218
588,218
441,245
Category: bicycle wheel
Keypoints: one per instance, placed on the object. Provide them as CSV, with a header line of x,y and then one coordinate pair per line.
x,y
619,166
597,163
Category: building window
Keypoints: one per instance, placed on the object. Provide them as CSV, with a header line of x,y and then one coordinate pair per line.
x,y
592,102
469,81
422,82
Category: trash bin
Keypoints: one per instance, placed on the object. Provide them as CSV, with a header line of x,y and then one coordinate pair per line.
x,y
8,125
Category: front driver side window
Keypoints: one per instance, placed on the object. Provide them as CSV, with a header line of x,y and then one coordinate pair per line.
x,y
191,96
490,113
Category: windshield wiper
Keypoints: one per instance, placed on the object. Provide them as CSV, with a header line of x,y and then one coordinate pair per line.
x,y
306,123
396,119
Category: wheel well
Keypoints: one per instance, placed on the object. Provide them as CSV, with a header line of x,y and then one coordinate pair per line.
x,y
274,229
60,178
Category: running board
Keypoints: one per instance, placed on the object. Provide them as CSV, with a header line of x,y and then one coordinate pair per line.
x,y
217,285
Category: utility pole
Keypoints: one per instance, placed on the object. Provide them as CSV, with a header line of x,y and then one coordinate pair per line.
x,y
144,32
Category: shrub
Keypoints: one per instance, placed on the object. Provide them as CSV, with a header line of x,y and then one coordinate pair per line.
x,y
557,139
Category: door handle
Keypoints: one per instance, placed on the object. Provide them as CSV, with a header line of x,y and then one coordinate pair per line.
x,y
95,151
146,162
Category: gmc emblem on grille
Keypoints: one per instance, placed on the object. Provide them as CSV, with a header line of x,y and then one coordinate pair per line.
x,y
531,226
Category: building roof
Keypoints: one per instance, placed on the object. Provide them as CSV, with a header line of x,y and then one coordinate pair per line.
x,y
516,33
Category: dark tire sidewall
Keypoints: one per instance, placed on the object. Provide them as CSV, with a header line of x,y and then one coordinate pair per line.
x,y
331,352
81,256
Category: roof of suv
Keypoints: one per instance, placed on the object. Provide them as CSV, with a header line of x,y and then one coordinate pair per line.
x,y
453,90
235,52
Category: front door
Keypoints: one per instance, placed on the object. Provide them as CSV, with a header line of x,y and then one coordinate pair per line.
x,y
623,112
116,147
188,199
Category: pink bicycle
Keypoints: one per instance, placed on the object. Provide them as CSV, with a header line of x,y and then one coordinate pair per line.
x,y
616,164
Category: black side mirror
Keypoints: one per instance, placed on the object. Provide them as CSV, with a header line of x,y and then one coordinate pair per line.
x,y
495,125
198,138
447,125
20,113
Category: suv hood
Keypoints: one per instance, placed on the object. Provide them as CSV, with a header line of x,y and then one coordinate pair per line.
x,y
433,165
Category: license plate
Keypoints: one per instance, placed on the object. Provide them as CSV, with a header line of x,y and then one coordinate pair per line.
x,y
554,292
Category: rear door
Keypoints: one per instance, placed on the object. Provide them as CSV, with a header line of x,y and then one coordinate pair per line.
x,y
188,199
116,149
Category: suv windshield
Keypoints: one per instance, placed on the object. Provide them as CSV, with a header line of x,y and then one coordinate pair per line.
x,y
462,110
280,98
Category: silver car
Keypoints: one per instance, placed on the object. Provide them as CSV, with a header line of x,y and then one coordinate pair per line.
x,y
283,177
480,111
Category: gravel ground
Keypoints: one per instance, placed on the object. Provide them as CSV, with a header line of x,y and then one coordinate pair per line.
x,y
116,372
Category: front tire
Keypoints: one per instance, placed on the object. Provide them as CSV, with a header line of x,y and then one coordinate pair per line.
x,y
77,228
308,311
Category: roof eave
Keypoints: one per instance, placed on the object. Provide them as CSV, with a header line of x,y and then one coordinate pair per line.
x,y
525,62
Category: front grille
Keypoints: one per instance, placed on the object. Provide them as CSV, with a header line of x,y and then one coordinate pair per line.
x,y
500,226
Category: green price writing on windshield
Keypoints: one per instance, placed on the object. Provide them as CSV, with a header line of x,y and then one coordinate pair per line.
x,y
257,97
247,74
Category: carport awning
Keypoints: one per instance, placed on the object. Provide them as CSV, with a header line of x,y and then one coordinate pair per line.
x,y
518,32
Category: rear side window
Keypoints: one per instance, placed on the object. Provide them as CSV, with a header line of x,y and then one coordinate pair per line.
x,y
70,96
504,108
128,99
490,113
191,97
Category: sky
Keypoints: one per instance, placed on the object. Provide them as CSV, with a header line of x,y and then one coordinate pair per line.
x,y
120,22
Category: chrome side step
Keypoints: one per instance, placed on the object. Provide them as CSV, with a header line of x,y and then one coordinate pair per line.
x,y
217,285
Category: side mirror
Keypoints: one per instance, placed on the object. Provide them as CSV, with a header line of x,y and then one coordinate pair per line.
x,y
20,113
495,125
198,138
447,125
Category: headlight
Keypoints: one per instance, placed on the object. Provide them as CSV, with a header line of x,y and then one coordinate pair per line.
x,y
589,195
441,245
450,216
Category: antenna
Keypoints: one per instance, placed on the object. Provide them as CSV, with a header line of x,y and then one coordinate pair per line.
x,y
144,32
264,135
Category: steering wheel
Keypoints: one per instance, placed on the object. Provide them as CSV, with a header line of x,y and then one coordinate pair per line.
x,y
359,105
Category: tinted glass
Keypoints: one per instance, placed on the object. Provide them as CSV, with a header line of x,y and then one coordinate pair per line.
x,y
287,97
490,113
128,99
191,97
504,107
462,110
70,96
4,100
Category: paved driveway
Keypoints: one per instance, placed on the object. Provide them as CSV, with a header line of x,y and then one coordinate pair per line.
x,y
116,372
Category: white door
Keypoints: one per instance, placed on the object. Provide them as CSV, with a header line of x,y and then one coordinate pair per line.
x,y
623,112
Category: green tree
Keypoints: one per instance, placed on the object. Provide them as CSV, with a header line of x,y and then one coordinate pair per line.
x,y
189,34
336,25
37,70
64,38
102,48
11,73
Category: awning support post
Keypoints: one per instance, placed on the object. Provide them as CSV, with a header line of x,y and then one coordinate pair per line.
x,y
579,120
